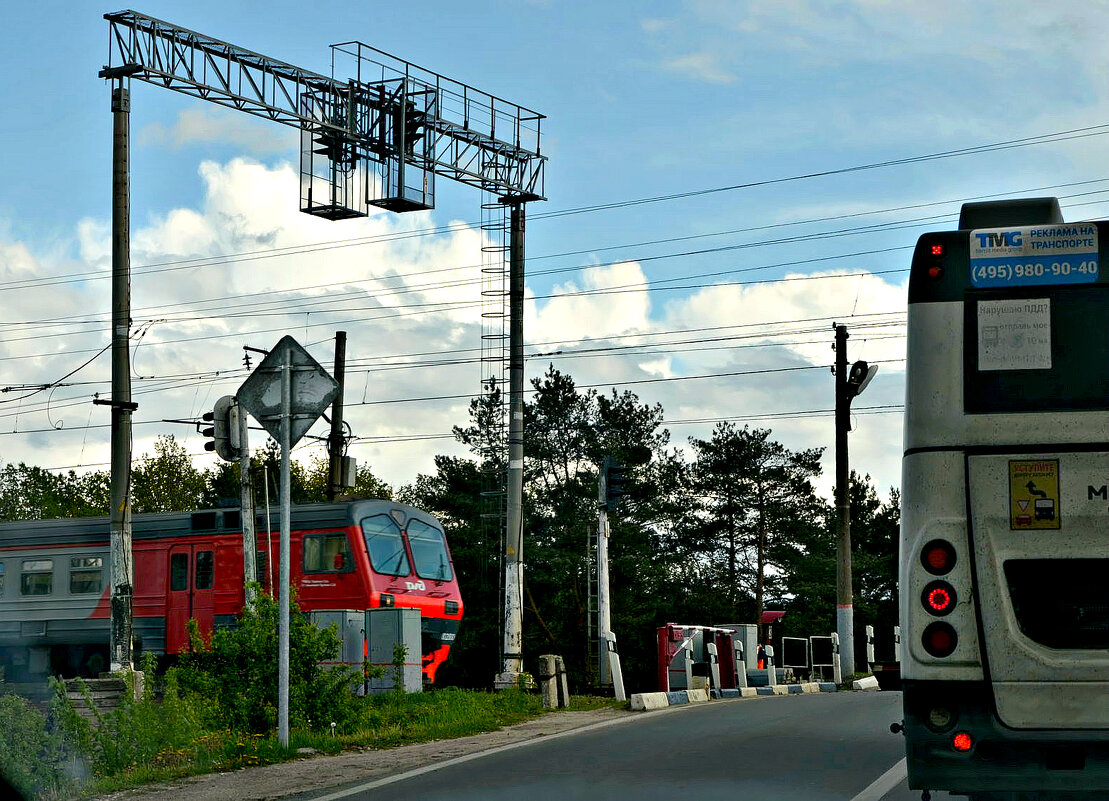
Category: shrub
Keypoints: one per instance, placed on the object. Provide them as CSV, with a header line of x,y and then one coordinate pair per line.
x,y
237,672
32,758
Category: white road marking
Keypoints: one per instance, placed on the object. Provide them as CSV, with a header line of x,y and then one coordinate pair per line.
x,y
884,783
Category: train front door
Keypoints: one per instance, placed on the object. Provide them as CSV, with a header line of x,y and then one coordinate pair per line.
x,y
190,593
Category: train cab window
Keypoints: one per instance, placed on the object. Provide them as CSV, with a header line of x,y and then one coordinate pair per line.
x,y
37,577
86,574
429,551
205,569
179,572
327,553
386,546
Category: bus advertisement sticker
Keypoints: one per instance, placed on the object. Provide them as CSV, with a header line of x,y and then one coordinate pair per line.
x,y
1037,255
1034,494
1014,334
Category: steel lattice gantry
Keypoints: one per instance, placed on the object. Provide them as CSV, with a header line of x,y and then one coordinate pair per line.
x,y
377,138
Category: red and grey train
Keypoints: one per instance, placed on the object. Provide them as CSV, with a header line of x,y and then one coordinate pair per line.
x,y
55,594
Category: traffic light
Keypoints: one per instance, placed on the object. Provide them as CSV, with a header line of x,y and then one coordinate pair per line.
x,y
613,476
224,430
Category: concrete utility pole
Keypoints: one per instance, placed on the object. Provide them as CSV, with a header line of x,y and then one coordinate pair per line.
x,y
845,615
514,523
848,385
246,513
122,566
335,440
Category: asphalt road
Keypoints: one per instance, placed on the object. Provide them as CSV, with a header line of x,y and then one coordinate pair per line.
x,y
792,748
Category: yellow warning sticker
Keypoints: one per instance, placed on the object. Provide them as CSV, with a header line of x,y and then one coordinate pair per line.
x,y
1034,494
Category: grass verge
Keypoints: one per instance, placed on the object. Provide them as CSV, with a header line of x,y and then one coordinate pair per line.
x,y
158,755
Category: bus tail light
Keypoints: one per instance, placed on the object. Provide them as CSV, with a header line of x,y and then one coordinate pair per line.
x,y
938,557
938,598
940,718
939,639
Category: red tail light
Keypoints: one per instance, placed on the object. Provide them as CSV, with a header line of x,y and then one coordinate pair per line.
x,y
938,557
939,598
962,741
939,639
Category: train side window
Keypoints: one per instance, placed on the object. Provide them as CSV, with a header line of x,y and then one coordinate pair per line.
x,y
1,579
179,572
86,574
37,577
327,553
205,564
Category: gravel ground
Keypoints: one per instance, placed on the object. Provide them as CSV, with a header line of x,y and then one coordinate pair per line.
x,y
320,772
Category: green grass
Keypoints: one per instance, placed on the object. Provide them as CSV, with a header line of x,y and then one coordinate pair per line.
x,y
383,721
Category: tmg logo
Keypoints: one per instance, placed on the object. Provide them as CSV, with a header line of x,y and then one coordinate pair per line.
x,y
998,239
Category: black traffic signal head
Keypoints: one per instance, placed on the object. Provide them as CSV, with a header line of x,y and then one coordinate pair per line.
x,y
613,477
224,430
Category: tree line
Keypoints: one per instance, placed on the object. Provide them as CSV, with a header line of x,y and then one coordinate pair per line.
x,y
715,533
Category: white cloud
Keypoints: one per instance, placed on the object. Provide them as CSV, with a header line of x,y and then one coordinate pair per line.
x,y
198,311
207,125
703,66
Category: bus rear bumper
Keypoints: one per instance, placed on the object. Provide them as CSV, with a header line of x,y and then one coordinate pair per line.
x,y
997,759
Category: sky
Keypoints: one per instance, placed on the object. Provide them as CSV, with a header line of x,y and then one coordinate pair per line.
x,y
783,151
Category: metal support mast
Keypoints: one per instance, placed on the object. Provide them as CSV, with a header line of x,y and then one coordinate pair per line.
x,y
845,617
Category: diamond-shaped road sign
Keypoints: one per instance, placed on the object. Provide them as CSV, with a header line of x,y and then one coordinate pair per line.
x,y
312,390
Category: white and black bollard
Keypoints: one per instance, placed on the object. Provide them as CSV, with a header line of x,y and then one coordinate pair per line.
x,y
837,673
870,648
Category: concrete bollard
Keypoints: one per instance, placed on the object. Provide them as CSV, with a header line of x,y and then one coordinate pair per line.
x,y
563,683
548,680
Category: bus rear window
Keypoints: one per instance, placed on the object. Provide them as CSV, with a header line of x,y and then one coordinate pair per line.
x,y
1032,351
386,546
429,551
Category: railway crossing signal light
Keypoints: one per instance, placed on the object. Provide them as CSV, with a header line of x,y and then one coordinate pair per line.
x,y
613,476
224,430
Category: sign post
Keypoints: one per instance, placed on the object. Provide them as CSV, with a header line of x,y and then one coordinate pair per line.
x,y
286,394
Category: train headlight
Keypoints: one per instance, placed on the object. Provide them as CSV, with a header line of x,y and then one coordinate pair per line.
x,y
938,598
939,639
388,600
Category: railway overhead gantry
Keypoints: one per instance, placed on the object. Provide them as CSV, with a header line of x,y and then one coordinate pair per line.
x,y
377,137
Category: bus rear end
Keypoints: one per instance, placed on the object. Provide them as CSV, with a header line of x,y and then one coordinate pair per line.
x,y
1005,530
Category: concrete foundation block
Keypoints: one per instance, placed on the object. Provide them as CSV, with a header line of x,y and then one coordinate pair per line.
x,y
865,683
644,702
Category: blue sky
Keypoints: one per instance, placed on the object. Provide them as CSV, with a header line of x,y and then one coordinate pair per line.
x,y
643,100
